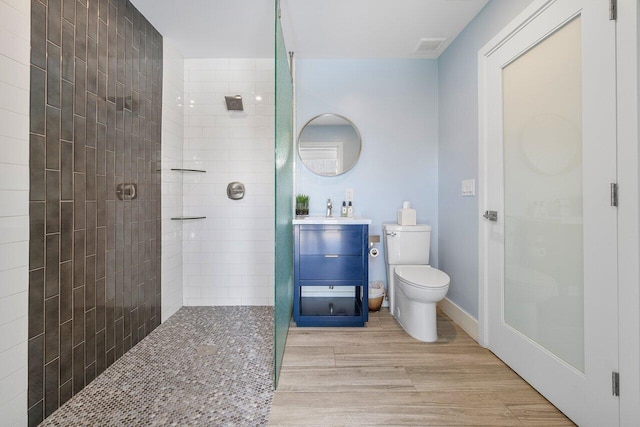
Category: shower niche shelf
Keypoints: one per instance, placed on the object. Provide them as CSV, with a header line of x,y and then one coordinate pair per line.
x,y
188,170
183,170
187,218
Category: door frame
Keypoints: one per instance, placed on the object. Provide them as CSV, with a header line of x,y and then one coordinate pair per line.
x,y
627,63
628,153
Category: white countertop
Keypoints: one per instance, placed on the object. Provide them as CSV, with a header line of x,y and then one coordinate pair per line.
x,y
321,220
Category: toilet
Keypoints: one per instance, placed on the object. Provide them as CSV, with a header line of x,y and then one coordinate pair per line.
x,y
414,287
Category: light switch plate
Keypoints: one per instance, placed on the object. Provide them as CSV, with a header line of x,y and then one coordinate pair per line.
x,y
468,187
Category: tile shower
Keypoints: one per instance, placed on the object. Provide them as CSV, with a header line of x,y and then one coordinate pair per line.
x,y
94,261
229,256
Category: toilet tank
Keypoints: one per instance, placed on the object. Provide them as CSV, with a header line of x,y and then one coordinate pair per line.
x,y
407,244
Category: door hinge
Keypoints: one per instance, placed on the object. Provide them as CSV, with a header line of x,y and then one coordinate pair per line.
x,y
613,10
615,383
614,194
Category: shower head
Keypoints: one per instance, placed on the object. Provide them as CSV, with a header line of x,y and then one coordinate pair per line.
x,y
234,103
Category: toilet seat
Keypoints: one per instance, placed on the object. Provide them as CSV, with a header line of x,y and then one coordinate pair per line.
x,y
423,276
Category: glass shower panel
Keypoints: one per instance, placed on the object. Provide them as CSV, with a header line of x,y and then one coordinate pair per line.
x,y
284,200
543,248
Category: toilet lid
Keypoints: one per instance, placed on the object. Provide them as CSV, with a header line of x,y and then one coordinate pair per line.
x,y
423,276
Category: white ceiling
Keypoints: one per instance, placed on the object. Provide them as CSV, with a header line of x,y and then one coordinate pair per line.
x,y
312,28
372,28
214,28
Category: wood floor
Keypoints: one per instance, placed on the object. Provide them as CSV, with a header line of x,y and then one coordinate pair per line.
x,y
379,375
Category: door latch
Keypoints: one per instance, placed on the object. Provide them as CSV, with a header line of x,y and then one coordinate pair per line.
x,y
491,215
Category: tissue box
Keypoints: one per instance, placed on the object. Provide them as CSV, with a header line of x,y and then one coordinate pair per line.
x,y
406,216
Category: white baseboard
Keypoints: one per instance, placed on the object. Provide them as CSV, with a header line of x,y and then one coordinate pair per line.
x,y
461,317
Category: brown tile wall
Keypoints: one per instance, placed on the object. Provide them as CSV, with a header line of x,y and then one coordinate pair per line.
x,y
94,282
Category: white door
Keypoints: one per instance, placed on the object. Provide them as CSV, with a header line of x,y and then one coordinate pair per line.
x,y
548,159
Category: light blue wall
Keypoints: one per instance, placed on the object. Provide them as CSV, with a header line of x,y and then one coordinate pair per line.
x,y
394,104
458,150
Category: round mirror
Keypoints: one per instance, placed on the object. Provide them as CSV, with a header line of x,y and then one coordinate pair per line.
x,y
329,145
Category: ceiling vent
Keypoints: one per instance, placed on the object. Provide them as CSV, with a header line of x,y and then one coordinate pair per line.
x,y
429,47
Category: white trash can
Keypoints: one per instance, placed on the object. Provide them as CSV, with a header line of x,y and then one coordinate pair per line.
x,y
376,295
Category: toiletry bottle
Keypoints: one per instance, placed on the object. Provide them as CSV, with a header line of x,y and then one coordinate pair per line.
x,y
343,213
350,210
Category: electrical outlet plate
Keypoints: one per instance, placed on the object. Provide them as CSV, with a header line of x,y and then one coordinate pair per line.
x,y
349,195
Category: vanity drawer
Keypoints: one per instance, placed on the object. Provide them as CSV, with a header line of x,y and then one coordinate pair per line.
x,y
329,240
331,267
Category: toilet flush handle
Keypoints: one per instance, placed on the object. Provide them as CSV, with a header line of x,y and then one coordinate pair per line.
x,y
391,233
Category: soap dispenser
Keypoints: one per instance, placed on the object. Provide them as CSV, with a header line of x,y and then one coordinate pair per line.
x,y
343,212
350,210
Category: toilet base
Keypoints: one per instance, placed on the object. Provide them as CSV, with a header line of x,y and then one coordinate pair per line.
x,y
418,319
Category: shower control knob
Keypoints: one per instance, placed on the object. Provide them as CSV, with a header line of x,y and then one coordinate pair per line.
x,y
235,190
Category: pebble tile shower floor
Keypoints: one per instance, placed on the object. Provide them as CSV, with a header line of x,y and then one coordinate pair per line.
x,y
203,366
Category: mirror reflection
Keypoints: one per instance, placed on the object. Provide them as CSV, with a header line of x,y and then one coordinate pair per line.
x,y
329,145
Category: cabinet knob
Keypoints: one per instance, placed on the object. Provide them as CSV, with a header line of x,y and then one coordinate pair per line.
x,y
331,256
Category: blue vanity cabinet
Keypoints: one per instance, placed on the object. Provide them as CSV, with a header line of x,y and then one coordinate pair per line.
x,y
331,255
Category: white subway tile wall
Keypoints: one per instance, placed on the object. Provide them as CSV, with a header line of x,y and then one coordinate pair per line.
x,y
171,181
228,257
14,208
